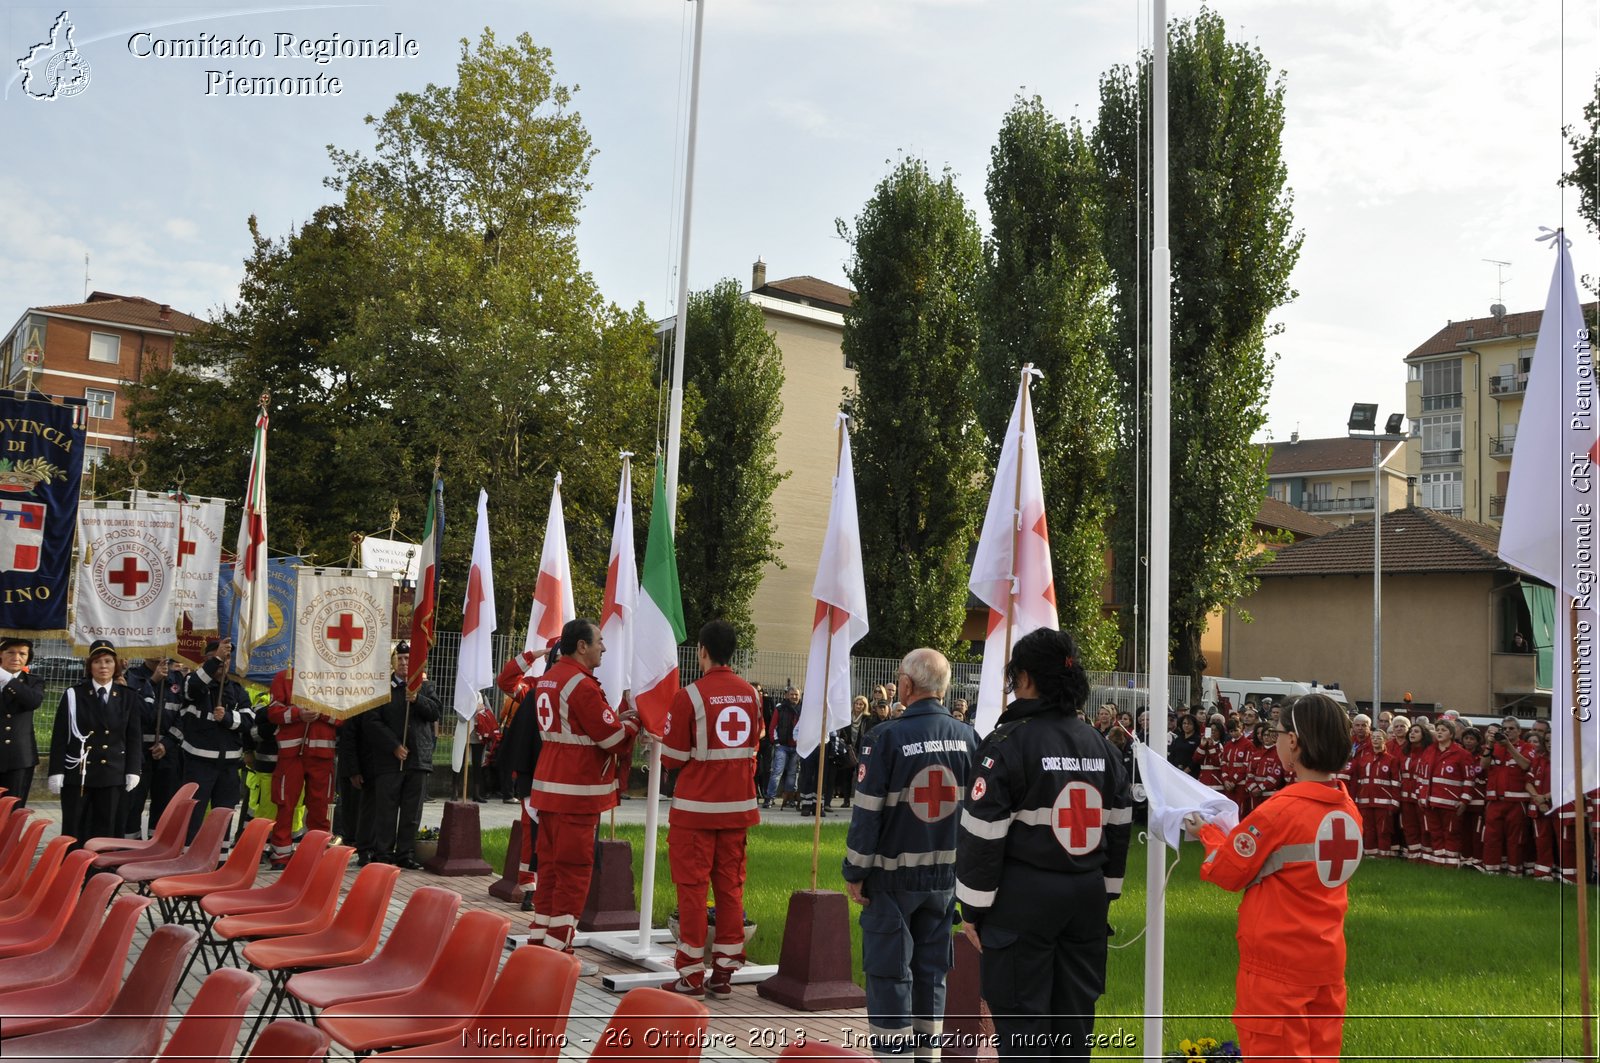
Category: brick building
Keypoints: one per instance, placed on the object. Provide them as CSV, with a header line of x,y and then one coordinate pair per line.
x,y
94,350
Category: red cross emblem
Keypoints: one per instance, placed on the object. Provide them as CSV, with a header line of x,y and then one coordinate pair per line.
x,y
185,547
1338,848
1077,817
934,794
545,709
733,725
346,633
129,577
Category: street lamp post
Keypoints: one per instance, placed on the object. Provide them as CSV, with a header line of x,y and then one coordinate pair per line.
x,y
1364,420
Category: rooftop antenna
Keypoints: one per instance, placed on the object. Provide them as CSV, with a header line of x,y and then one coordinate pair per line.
x,y
1498,308
86,276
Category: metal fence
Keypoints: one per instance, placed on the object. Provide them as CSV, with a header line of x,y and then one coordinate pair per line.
x,y
774,671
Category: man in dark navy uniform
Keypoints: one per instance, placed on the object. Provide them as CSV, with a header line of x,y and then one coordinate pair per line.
x,y
21,692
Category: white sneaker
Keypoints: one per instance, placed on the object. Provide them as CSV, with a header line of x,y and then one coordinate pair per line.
x,y
587,968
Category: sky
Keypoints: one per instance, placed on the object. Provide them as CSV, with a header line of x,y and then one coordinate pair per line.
x,y
1422,138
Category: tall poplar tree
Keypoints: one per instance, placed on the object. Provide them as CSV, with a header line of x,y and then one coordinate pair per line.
x,y
1233,248
912,335
1046,300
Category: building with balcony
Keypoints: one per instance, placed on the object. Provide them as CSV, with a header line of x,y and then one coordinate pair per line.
x,y
1464,391
94,350
1335,478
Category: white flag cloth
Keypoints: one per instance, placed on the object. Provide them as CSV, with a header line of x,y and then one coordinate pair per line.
x,y
391,555
1173,794
342,634
1549,526
552,594
127,586
1011,571
250,582
199,554
622,597
840,621
476,669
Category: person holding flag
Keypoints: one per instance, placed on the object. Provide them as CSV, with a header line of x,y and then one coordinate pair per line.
x,y
583,740
710,734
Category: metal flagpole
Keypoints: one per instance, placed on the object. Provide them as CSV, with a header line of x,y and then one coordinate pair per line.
x,y
1160,517
1581,827
681,328
1016,525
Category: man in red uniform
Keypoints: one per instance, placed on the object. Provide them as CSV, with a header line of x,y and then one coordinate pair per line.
x,y
583,740
1236,765
306,744
1505,820
711,734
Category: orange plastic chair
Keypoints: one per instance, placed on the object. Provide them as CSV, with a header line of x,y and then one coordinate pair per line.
x,y
185,792
311,911
279,894
146,995
15,871
533,995
418,936
209,1028
287,1041
8,805
43,922
38,880
94,936
178,895
164,843
439,1007
351,938
820,1050
202,856
670,1019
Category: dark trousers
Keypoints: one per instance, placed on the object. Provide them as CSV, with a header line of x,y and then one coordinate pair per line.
x,y
218,786
906,950
89,812
347,814
395,801
17,782
1044,961
133,801
165,776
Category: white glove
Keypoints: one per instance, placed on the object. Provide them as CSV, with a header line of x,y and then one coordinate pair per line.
x,y
54,782
132,781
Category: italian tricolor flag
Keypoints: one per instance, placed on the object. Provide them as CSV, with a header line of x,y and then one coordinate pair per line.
x,y
658,625
423,615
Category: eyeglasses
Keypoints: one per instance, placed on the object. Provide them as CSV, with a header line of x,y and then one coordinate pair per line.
x,y
1279,732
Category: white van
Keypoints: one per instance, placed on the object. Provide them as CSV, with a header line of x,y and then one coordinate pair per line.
x,y
1213,689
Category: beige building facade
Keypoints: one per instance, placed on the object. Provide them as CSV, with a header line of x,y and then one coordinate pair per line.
x,y
1333,478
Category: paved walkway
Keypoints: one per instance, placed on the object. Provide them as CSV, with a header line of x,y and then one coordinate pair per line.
x,y
744,1026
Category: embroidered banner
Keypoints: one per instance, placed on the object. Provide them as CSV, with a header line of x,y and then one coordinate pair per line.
x,y
126,589
342,633
277,652
41,468
199,555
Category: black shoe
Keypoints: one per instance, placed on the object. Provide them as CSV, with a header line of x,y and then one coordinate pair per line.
x,y
363,859
478,801
527,900
410,863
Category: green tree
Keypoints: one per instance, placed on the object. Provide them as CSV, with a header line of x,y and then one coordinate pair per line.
x,y
439,309
726,525
912,334
1233,248
1046,300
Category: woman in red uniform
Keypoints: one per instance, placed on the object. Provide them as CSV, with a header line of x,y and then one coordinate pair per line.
x,y
1292,858
1543,823
1209,754
1376,769
1444,794
1471,837
1265,771
1412,778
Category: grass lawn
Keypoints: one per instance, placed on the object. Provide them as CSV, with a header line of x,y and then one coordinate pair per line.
x,y
1442,964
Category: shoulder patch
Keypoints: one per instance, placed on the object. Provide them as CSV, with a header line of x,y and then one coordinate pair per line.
x,y
1244,845
861,773
980,785
988,762
609,717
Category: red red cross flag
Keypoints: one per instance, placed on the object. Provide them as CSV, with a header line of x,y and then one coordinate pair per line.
x,y
622,596
250,566
1011,571
1549,526
126,584
552,593
840,591
342,638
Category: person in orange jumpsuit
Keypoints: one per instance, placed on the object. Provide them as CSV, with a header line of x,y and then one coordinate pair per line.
x,y
1292,857
583,741
710,735
307,741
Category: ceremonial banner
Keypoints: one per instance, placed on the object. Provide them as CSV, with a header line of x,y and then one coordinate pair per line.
x,y
475,669
199,555
424,612
391,555
341,639
250,572
277,651
41,468
621,598
659,626
840,590
127,586
552,594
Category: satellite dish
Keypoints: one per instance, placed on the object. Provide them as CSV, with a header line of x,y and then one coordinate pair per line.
x,y
1498,310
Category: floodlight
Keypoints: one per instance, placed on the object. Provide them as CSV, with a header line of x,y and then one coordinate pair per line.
x,y
1364,417
1395,423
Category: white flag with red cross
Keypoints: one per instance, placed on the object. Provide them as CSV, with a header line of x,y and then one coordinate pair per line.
x,y
199,553
1011,571
127,585
622,596
552,593
342,639
840,591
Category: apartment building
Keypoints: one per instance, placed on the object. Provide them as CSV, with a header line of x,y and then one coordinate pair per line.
x,y
1336,479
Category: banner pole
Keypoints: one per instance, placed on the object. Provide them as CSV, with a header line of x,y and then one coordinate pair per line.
x,y
1016,526
822,746
1580,850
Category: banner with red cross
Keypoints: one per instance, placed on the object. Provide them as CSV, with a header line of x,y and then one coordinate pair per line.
x,y
199,553
342,638
126,587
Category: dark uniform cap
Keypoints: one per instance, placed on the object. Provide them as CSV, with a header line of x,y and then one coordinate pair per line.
x,y
15,640
99,646
403,647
